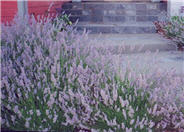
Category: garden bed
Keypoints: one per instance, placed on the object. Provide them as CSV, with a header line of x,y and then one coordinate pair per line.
x,y
54,80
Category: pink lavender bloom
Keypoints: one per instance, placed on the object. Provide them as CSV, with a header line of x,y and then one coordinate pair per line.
x,y
27,124
38,112
16,110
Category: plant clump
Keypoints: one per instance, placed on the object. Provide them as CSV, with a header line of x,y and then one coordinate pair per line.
x,y
55,80
172,29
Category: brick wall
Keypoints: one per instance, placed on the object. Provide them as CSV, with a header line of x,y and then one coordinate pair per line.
x,y
41,7
9,8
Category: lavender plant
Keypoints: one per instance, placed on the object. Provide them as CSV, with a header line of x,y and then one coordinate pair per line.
x,y
54,80
28,58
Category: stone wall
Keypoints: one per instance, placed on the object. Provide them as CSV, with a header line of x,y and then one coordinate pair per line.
x,y
123,12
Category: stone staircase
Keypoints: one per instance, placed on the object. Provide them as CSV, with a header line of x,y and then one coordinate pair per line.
x,y
115,17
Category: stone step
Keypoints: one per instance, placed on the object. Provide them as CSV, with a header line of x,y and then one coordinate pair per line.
x,y
113,18
117,28
131,43
114,11
115,5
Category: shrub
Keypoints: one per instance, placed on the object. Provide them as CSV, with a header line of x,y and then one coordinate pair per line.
x,y
54,80
173,29
30,55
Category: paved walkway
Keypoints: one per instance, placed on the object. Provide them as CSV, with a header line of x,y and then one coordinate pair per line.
x,y
150,42
166,58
